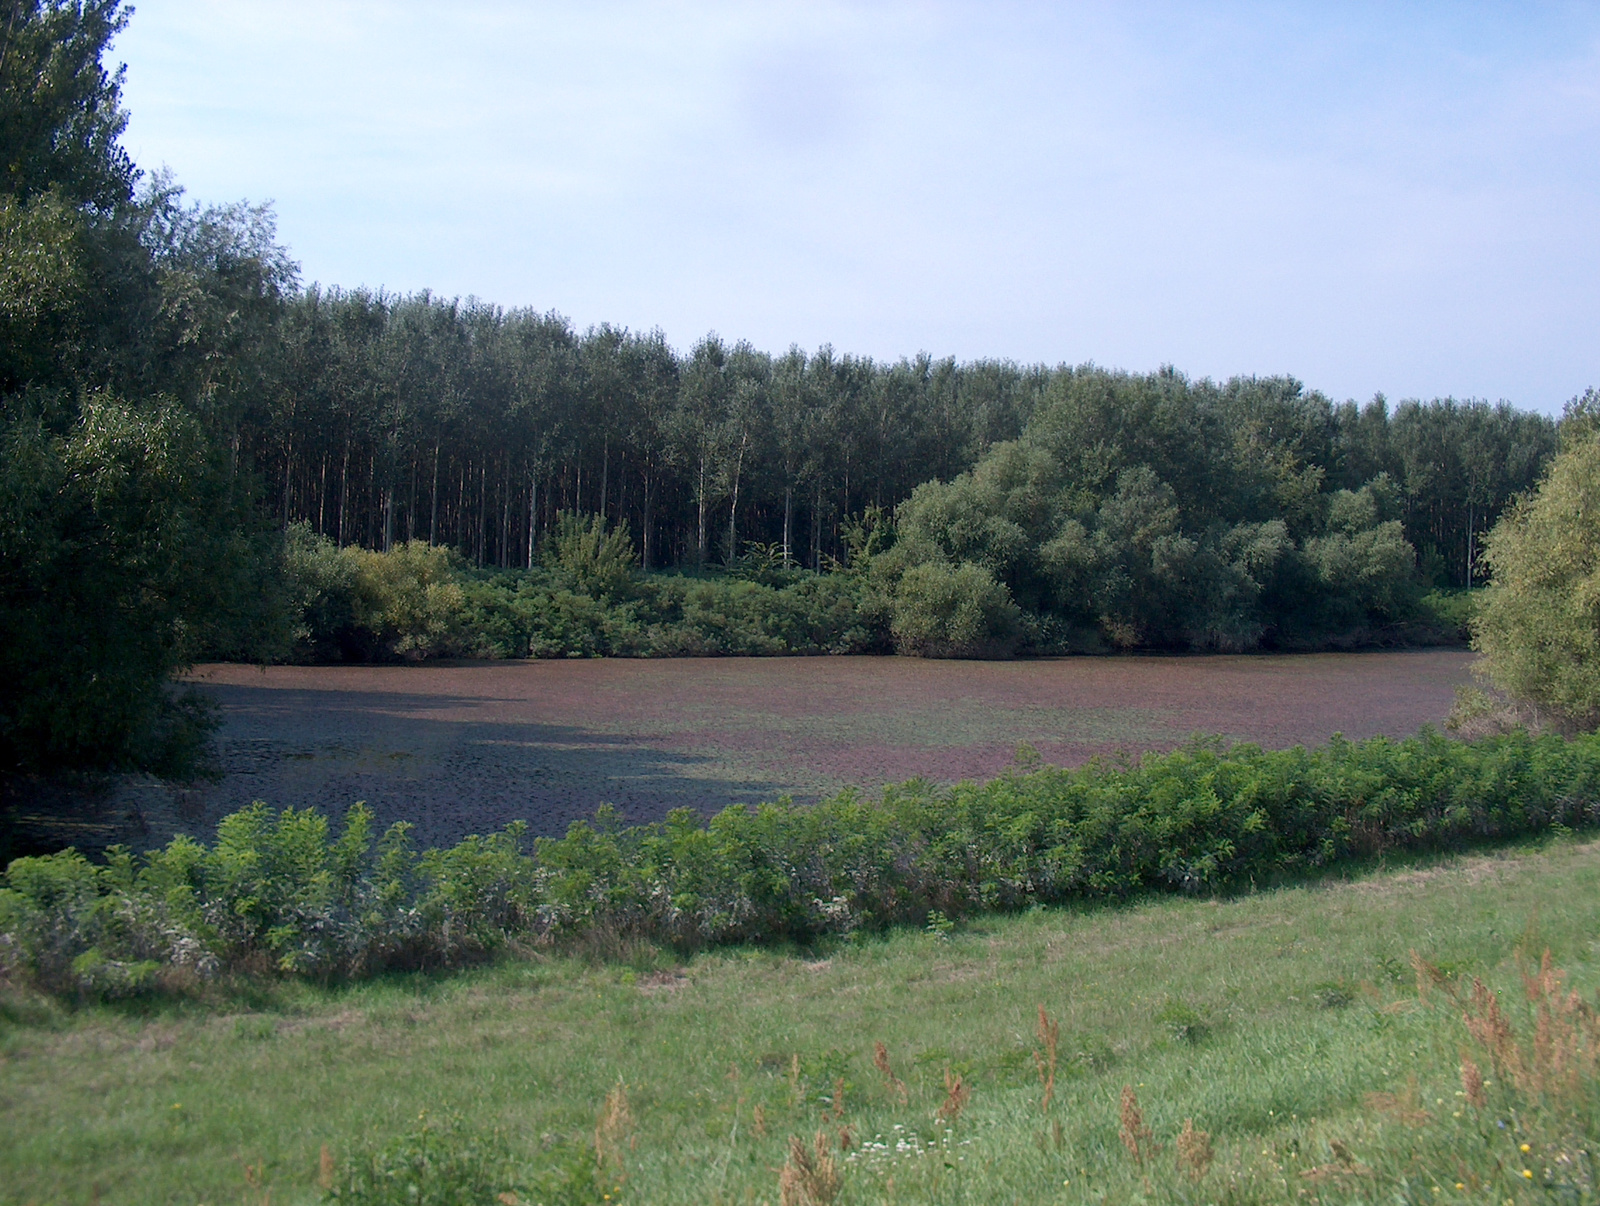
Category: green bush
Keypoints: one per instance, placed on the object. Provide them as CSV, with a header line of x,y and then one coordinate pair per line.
x,y
1449,610
586,600
433,1165
124,552
81,930
277,891
1538,622
945,610
592,561
445,1164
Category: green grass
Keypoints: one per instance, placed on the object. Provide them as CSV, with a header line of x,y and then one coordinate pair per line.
x,y
1267,1019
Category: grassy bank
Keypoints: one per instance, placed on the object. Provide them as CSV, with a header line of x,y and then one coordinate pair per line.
x,y
1268,1020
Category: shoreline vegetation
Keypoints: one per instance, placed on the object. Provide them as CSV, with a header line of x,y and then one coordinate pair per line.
x,y
589,599
279,893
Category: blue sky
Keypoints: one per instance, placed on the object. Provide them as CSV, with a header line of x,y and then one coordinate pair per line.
x,y
1373,197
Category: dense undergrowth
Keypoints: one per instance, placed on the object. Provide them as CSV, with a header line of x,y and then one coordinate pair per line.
x,y
587,598
277,892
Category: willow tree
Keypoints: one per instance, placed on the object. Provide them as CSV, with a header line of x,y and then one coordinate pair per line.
x,y
1538,624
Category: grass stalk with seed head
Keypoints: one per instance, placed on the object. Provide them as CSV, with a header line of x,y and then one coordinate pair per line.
x,y
1049,1033
1135,1135
1194,1151
880,1061
956,1093
612,1128
810,1177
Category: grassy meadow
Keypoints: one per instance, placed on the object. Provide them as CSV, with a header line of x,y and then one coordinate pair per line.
x,y
1271,1020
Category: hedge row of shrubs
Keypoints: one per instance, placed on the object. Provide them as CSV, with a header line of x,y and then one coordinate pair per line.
x,y
278,892
587,598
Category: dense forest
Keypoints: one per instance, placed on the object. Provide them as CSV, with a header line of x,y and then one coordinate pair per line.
x,y
382,419
202,457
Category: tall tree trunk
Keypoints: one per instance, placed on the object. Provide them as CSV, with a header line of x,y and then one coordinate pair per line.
x,y
411,505
433,503
788,516
500,554
344,488
483,484
648,536
288,472
533,514
733,508
461,509
622,487
1469,545
816,530
700,540
605,473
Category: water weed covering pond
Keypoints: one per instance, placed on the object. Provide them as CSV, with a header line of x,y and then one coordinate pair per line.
x,y
1280,1034
467,748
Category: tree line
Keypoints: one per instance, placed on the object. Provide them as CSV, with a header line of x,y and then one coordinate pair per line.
x,y
391,418
462,423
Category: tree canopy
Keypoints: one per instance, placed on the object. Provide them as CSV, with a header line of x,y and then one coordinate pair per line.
x,y
132,324
1538,626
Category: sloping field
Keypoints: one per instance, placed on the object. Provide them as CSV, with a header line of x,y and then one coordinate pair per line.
x,y
1286,1024
466,748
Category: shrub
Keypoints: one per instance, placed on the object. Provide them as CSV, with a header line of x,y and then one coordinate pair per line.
x,y
942,610
355,604
85,931
585,601
277,891
433,1165
1538,622
411,599
594,562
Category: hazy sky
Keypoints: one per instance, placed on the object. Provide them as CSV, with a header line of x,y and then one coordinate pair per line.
x,y
1388,196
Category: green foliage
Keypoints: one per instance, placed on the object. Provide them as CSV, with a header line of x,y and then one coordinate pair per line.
x,y
942,610
1451,610
590,560
411,599
124,550
278,891
434,1165
417,602
1538,623
1155,510
130,339
1199,819
63,107
79,930
1127,509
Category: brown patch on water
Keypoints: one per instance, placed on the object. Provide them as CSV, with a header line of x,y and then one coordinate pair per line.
x,y
466,748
